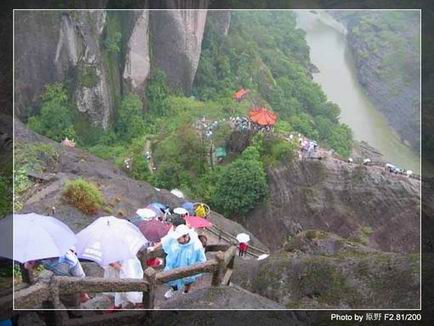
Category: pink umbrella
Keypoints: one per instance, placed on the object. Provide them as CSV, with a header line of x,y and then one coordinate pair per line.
x,y
153,230
197,222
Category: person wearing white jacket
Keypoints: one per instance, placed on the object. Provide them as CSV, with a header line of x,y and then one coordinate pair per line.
x,y
130,268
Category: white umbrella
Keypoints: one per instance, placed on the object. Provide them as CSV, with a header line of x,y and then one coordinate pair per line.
x,y
146,213
243,237
261,257
34,237
180,211
177,193
109,239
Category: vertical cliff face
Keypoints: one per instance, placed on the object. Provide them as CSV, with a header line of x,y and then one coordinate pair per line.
x,y
137,61
92,93
36,35
74,47
176,44
54,46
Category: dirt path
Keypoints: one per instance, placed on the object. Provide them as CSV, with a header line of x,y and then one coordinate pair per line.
x,y
147,148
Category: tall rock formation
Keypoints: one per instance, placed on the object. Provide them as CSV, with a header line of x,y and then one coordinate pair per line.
x,y
74,47
137,60
59,46
93,93
36,36
176,44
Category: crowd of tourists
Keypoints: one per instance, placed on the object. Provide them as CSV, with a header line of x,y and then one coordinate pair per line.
x,y
244,123
178,232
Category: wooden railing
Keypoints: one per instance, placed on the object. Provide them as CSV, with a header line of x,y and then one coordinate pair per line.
x,y
49,287
230,238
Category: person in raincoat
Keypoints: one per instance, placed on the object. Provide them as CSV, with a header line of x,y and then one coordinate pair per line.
x,y
130,268
182,249
66,265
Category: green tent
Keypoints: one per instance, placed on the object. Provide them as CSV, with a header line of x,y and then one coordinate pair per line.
x,y
220,152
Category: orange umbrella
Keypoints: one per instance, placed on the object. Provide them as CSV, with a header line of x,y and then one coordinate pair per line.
x,y
239,95
262,116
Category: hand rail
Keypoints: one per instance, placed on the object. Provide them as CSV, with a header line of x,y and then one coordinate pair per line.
x,y
51,287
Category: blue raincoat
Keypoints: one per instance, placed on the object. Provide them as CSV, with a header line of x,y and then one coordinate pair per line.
x,y
182,255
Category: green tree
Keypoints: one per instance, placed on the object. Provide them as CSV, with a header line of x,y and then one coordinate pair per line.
x,y
113,42
130,119
55,119
156,92
241,185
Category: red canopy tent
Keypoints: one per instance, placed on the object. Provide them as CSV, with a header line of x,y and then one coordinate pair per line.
x,y
262,116
240,94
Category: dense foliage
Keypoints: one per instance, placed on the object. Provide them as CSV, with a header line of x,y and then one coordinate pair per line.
x,y
130,119
241,185
266,53
263,52
31,158
55,119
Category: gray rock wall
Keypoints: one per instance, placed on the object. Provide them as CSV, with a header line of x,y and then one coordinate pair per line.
x,y
36,38
339,197
176,44
137,60
58,46
93,93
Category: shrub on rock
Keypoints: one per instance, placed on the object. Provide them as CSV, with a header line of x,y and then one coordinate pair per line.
x,y
83,195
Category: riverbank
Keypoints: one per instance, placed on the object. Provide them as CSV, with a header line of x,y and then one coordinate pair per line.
x,y
338,78
385,52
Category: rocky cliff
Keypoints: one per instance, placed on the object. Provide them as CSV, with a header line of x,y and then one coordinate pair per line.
x,y
137,61
322,270
176,44
351,200
102,56
63,46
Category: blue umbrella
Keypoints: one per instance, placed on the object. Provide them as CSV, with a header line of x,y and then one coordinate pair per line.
x,y
189,207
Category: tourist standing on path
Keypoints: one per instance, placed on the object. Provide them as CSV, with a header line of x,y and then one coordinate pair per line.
x,y
182,250
130,268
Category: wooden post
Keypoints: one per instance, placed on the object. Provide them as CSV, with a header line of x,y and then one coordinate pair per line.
x,y
229,268
27,275
60,315
218,274
149,297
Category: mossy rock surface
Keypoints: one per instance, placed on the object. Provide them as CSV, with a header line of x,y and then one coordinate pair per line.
x,y
88,76
322,270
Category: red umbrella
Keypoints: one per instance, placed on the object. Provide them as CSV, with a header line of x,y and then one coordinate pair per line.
x,y
239,95
262,116
153,230
197,222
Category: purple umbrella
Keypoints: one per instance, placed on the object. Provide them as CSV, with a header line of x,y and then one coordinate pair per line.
x,y
153,230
